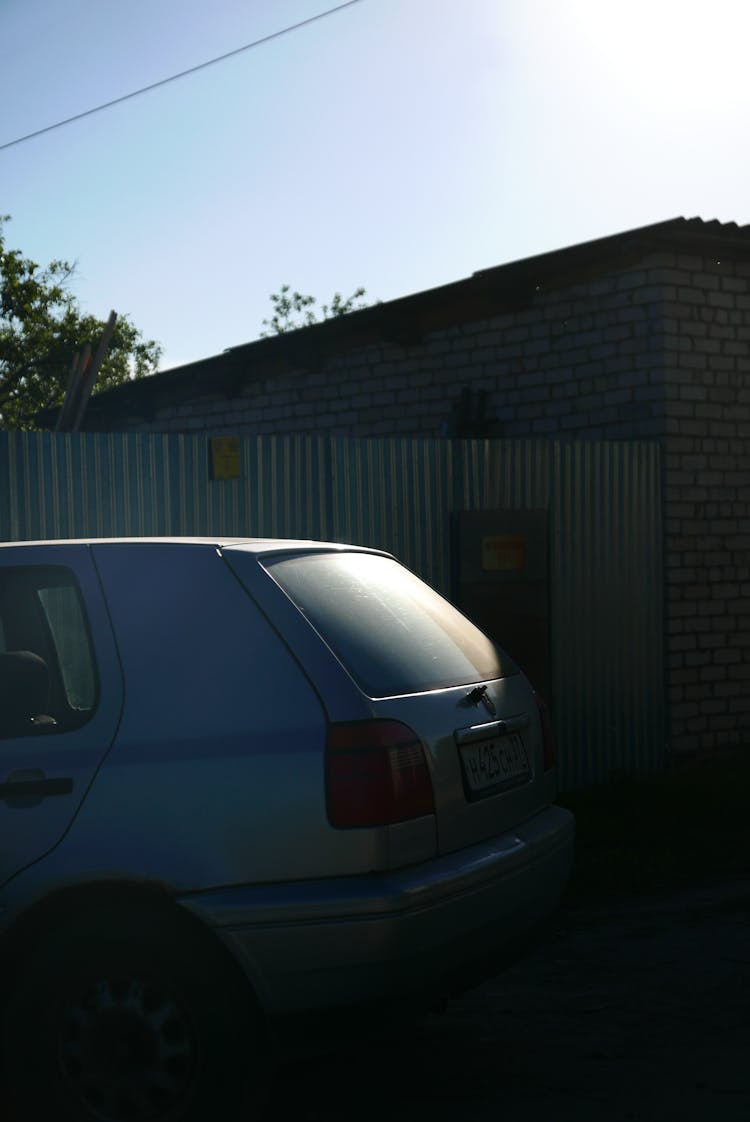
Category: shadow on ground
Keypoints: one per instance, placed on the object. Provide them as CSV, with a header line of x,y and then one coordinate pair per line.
x,y
629,1012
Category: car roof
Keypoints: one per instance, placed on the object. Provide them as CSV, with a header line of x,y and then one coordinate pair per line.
x,y
250,545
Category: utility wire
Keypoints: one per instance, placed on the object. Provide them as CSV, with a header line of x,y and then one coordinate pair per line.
x,y
182,74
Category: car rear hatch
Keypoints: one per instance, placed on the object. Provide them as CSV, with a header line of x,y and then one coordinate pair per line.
x,y
417,661
487,771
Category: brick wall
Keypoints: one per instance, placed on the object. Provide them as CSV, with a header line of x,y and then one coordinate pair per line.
x,y
706,469
582,360
659,349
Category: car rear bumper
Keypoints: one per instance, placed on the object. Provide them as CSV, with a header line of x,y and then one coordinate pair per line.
x,y
318,944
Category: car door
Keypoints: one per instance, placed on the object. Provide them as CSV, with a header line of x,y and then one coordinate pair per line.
x,y
60,694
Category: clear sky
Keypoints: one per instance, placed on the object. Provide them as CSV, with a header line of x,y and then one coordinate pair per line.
x,y
398,144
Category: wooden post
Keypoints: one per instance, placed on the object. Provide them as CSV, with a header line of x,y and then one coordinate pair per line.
x,y
83,374
79,364
90,371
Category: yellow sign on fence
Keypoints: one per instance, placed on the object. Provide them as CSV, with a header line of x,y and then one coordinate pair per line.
x,y
225,457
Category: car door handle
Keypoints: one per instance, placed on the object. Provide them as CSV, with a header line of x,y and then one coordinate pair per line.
x,y
32,784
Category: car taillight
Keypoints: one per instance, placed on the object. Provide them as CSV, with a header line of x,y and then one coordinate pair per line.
x,y
548,738
376,773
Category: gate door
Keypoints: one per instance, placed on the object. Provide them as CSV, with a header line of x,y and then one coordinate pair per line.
x,y
500,580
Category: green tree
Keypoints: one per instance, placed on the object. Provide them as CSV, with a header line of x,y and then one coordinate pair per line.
x,y
42,329
292,310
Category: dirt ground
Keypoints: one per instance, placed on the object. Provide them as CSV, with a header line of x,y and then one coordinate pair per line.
x,y
633,1011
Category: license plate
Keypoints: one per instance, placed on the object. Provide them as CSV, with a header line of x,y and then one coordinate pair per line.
x,y
494,765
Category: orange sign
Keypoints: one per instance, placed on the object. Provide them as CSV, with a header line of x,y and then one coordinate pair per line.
x,y
504,553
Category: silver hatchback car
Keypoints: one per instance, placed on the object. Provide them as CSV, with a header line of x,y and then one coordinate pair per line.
x,y
242,781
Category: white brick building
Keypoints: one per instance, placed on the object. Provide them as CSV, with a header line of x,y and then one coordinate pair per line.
x,y
645,334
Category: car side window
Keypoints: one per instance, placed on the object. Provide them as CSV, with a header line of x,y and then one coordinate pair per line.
x,y
48,679
64,611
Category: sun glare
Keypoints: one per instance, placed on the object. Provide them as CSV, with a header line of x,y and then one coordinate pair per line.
x,y
675,57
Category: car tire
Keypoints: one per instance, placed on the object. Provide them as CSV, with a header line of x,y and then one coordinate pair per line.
x,y
136,1015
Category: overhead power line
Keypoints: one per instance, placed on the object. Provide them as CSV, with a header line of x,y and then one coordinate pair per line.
x,y
182,74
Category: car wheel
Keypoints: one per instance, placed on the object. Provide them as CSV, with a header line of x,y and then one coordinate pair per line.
x,y
124,1017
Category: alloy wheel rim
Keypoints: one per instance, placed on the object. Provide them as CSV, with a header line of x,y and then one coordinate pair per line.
x,y
127,1050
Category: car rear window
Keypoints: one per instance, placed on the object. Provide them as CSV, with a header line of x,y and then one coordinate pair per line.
x,y
393,632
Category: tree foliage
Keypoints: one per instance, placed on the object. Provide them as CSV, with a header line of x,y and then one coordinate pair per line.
x,y
292,310
42,329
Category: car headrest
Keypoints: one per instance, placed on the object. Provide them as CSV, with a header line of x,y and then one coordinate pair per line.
x,y
24,686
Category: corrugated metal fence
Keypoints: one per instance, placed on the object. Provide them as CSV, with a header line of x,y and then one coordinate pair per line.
x,y
603,501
